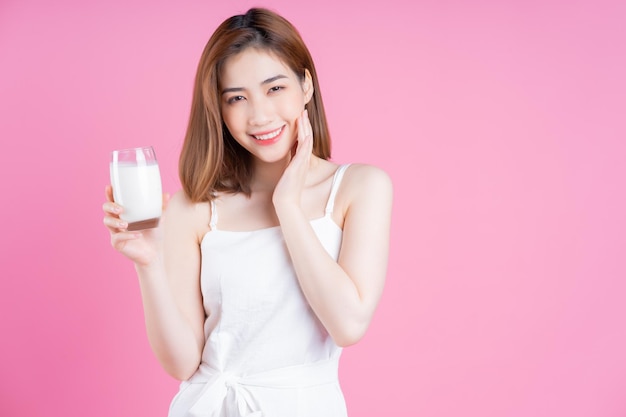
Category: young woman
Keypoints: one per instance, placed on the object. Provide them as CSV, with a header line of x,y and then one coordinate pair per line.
x,y
271,258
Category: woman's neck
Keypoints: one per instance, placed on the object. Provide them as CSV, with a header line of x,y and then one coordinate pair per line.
x,y
267,174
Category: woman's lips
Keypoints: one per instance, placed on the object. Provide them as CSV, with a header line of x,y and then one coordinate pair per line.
x,y
268,138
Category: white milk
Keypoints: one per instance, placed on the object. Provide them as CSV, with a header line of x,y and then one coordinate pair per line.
x,y
137,188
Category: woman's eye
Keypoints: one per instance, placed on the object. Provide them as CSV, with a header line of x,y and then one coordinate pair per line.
x,y
234,99
276,88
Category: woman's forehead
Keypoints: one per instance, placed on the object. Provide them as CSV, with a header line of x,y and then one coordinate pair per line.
x,y
251,67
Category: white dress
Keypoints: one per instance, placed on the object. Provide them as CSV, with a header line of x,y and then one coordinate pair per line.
x,y
266,353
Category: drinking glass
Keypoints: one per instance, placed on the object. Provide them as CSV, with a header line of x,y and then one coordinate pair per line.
x,y
136,183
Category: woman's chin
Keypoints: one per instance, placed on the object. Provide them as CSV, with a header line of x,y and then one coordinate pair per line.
x,y
272,155
283,158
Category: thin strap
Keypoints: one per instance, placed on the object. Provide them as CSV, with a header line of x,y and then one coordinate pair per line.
x,y
213,220
335,186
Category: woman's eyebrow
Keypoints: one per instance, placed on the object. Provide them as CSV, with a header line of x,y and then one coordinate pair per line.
x,y
268,81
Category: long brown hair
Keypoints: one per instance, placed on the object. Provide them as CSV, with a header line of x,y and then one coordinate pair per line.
x,y
211,160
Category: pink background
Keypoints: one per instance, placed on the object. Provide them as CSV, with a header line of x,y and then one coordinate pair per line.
x,y
501,124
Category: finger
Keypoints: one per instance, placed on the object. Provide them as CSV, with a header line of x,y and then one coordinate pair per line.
x,y
303,153
306,137
301,127
115,224
112,208
294,148
305,133
108,192
118,240
302,148
309,129
307,125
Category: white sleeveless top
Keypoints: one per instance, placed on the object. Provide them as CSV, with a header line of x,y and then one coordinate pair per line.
x,y
266,352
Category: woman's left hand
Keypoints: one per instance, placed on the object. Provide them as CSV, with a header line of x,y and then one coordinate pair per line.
x,y
289,188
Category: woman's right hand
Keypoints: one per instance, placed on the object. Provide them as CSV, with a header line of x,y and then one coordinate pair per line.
x,y
143,246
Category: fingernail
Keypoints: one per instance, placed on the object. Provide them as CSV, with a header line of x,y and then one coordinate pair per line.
x,y
122,225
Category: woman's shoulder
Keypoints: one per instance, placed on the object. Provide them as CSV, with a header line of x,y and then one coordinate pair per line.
x,y
180,201
184,213
365,185
363,177
365,193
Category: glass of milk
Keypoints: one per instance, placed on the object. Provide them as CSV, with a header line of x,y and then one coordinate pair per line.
x,y
136,183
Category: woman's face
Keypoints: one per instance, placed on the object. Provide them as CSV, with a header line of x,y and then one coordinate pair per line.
x,y
261,100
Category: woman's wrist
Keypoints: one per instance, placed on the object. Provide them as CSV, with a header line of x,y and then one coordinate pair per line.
x,y
287,209
151,266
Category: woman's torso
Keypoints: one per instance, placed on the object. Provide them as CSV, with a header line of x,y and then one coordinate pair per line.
x,y
261,333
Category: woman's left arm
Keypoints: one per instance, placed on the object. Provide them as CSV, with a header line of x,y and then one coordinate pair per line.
x,y
344,293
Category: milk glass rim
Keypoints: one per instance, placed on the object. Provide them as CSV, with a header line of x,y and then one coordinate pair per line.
x,y
116,152
133,149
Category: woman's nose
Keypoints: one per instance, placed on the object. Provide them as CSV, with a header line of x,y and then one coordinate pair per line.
x,y
259,112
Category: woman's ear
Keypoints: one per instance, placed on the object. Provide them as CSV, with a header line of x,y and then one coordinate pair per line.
x,y
307,86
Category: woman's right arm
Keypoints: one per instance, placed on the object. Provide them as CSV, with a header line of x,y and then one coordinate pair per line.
x,y
167,261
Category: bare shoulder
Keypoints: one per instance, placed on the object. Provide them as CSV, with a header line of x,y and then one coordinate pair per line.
x,y
179,201
366,190
187,216
367,179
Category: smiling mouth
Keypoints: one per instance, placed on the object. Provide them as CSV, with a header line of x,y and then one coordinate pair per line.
x,y
268,136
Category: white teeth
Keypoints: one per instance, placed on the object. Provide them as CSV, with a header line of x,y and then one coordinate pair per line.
x,y
269,135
